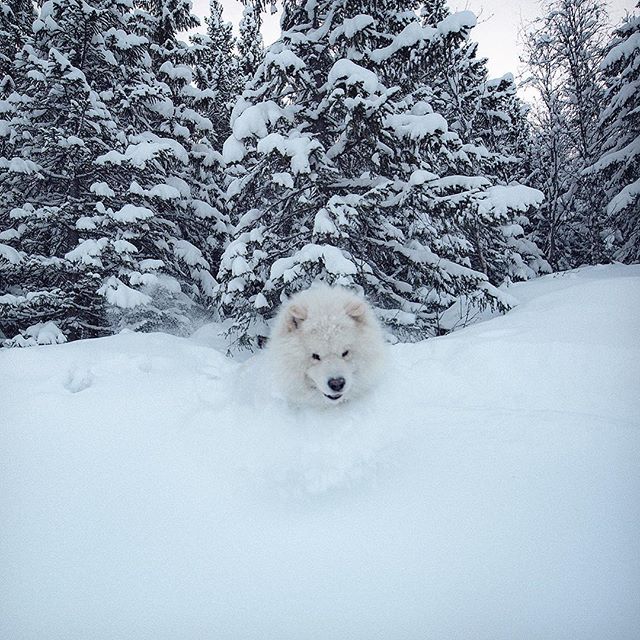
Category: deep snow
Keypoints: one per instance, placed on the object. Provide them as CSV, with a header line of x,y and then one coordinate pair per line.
x,y
152,489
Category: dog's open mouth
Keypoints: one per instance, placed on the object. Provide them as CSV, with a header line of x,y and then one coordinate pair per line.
x,y
336,397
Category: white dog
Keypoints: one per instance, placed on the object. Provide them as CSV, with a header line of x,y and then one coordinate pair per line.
x,y
326,346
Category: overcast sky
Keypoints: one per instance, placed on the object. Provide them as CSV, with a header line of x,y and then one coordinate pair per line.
x,y
497,32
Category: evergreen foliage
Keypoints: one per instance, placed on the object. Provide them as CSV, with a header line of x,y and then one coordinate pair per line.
x,y
345,172
250,43
101,207
216,71
146,182
617,169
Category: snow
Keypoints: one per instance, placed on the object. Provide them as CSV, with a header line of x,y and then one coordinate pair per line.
x,y
333,258
410,36
501,199
627,196
420,176
119,294
284,59
164,192
188,252
177,72
141,153
297,148
487,489
626,49
459,22
254,119
150,265
124,246
87,251
124,40
351,73
415,33
131,213
39,334
18,165
248,121
233,150
85,223
10,254
416,126
323,224
102,189
283,178
350,26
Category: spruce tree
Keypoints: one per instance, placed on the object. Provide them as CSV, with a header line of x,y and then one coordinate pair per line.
x,y
183,117
16,17
216,71
344,172
617,169
250,43
98,207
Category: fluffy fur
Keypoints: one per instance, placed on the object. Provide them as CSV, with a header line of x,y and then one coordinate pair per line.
x,y
326,346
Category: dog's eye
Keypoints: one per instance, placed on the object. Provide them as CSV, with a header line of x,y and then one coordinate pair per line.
x,y
345,354
315,356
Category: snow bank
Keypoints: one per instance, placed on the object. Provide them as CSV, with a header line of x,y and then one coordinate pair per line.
x,y
488,489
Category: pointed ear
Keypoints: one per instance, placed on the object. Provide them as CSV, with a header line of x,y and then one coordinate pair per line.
x,y
357,309
296,313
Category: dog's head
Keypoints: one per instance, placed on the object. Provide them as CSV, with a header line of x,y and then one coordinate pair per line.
x,y
330,331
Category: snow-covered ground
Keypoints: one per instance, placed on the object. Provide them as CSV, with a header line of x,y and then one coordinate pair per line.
x,y
489,489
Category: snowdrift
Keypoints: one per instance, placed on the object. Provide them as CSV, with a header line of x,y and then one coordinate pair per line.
x,y
152,489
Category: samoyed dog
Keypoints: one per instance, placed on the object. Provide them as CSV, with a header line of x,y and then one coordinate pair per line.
x,y
326,346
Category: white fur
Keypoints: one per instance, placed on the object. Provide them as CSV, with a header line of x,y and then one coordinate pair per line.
x,y
326,321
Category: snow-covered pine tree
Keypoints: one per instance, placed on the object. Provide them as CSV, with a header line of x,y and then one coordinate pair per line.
x,y
180,115
501,126
617,170
62,126
216,70
250,44
563,50
490,120
452,67
16,18
345,173
94,238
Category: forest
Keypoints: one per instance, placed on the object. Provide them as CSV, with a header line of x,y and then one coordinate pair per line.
x,y
155,181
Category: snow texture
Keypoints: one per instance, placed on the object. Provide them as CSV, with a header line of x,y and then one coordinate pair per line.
x,y
120,295
350,73
487,489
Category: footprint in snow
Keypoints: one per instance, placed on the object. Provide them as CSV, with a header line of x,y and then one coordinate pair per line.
x,y
78,379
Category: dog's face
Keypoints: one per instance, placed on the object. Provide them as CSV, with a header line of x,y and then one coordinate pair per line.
x,y
329,345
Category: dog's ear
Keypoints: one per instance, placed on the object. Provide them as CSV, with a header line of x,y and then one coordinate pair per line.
x,y
357,309
296,313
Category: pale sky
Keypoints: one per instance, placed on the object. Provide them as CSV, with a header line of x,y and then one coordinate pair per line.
x,y
497,32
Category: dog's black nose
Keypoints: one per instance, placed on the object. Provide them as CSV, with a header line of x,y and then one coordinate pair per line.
x,y
336,384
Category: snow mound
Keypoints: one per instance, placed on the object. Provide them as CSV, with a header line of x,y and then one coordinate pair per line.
x,y
488,488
